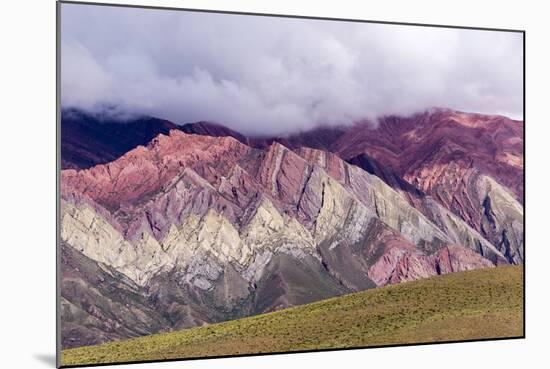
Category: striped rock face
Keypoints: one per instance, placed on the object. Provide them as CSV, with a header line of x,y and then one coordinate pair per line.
x,y
202,228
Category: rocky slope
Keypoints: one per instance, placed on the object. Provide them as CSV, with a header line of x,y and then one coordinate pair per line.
x,y
441,161
100,304
204,227
478,304
462,161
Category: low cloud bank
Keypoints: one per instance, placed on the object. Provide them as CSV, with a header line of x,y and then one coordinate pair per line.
x,y
263,75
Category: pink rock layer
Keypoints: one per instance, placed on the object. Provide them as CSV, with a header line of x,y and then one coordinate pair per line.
x,y
399,265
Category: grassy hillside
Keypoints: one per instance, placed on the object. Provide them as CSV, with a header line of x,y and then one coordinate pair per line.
x,y
469,305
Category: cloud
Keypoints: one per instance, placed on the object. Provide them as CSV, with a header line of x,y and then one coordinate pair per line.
x,y
271,75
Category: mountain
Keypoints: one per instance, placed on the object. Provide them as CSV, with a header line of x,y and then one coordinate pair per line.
x,y
471,164
441,160
203,225
423,147
478,304
89,139
318,138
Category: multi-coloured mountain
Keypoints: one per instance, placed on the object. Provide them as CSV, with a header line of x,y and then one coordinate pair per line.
x,y
201,224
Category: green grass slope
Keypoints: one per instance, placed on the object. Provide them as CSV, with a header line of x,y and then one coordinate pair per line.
x,y
476,304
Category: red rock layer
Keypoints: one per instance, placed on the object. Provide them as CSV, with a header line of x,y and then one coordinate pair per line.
x,y
147,169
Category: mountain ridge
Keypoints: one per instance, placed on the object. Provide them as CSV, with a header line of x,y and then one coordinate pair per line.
x,y
212,229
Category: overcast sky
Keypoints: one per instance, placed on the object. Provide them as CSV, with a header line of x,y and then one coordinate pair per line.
x,y
269,75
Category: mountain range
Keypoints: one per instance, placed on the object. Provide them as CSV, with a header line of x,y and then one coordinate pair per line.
x,y
167,226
